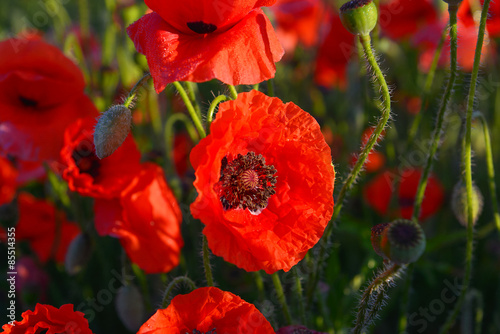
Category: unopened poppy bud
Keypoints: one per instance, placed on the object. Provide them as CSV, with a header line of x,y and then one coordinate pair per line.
x,y
401,241
459,203
359,16
111,130
130,307
78,254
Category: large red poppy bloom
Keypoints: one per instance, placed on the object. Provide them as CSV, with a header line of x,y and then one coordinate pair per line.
x,y
44,227
196,40
379,191
265,183
146,218
41,92
207,310
89,175
49,319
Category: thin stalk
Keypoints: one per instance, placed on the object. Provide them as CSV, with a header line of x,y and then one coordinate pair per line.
x,y
83,8
468,171
491,171
133,92
167,295
260,285
206,263
280,294
233,92
440,116
427,88
213,105
300,297
405,299
270,88
169,136
192,89
372,298
355,171
255,87
192,112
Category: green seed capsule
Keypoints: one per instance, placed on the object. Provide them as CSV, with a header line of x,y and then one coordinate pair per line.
x,y
459,203
359,16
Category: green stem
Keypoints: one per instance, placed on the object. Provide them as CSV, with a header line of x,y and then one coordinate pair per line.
x,y
491,171
83,8
233,92
427,88
133,92
192,112
468,170
299,292
355,171
260,285
372,298
144,285
169,135
281,297
206,263
192,89
441,113
405,300
255,87
174,284
213,105
270,87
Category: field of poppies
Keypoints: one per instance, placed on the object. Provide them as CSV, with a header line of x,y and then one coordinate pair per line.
x,y
249,166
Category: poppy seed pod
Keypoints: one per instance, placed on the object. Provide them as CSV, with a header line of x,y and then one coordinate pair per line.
x,y
359,16
130,307
78,254
111,130
401,241
459,203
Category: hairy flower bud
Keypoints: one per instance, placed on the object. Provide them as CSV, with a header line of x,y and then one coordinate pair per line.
x,y
78,254
359,16
130,307
111,130
459,203
401,241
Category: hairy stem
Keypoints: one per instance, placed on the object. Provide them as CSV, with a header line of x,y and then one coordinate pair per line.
x,y
167,295
192,112
133,92
280,294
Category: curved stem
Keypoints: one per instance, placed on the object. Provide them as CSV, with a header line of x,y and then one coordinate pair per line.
x,y
233,92
281,297
192,112
213,105
441,113
355,171
133,92
172,285
491,171
468,170
206,263
169,134
192,89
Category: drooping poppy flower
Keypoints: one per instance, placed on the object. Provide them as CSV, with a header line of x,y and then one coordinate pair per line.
x,y
8,183
44,227
400,19
41,92
146,218
378,193
89,175
298,21
334,54
49,319
198,41
297,329
265,183
207,310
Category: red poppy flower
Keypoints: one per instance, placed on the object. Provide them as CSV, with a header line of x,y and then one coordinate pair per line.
x,y
89,175
207,310
400,19
465,14
146,218
378,193
265,183
334,55
46,229
298,21
49,319
182,147
198,41
8,183
41,92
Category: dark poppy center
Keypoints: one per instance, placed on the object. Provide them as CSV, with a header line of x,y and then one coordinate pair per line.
x,y
28,102
406,202
246,182
201,27
406,235
86,160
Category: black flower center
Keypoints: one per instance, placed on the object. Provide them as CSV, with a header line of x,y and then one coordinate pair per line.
x,y
246,182
201,27
86,160
404,234
28,102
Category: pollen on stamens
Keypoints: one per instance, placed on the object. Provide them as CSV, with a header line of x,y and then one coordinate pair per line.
x,y
246,182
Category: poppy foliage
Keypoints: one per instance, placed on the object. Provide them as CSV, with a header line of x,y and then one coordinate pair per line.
x,y
49,319
264,178
207,310
198,41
